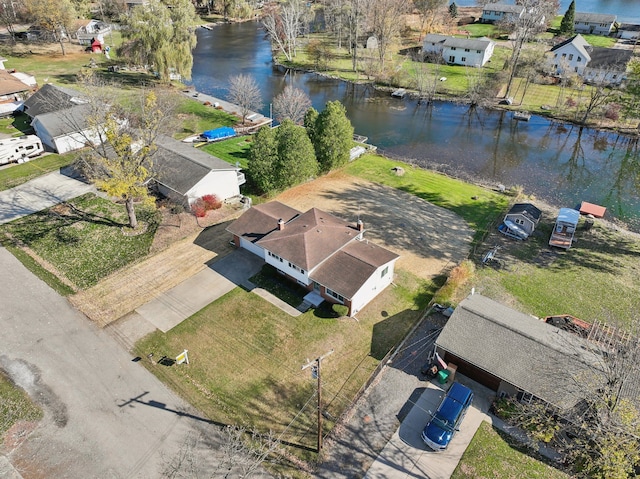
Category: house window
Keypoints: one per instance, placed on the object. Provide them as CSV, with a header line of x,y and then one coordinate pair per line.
x,y
571,56
579,59
335,295
519,221
478,51
453,48
274,256
463,59
564,55
452,59
576,69
555,55
467,50
384,272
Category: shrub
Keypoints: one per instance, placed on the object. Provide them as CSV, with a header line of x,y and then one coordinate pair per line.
x,y
211,202
198,208
613,112
340,309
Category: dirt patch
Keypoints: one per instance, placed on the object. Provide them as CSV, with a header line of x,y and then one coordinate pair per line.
x,y
183,246
429,239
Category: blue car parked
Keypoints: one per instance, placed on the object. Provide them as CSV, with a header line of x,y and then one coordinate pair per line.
x,y
446,421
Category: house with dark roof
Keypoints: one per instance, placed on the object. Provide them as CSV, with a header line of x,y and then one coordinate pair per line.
x,y
525,215
593,64
628,31
518,355
497,12
60,118
594,23
458,51
184,173
321,252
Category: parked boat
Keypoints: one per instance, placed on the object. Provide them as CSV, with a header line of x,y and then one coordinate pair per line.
x,y
521,115
512,230
209,136
565,228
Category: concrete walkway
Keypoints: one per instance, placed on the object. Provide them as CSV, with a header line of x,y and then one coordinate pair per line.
x,y
39,194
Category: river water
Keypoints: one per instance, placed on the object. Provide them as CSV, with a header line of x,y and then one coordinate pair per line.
x,y
560,163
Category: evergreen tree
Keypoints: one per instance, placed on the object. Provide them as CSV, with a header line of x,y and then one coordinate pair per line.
x,y
333,137
263,159
453,10
567,24
296,159
309,122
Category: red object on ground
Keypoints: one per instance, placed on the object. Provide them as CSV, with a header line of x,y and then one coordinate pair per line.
x,y
591,209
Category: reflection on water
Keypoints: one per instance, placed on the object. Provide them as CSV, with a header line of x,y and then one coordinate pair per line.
x,y
561,163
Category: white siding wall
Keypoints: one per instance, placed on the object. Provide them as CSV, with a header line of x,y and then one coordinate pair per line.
x,y
593,28
372,287
568,57
253,248
283,265
460,56
223,184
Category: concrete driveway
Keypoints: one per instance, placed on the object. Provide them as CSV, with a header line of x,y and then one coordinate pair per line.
x,y
105,415
171,308
406,456
39,194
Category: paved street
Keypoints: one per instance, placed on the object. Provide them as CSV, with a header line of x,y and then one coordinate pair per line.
x,y
105,415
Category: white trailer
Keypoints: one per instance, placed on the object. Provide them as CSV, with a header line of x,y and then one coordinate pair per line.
x,y
20,149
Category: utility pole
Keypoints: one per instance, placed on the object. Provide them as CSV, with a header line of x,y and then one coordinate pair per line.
x,y
316,363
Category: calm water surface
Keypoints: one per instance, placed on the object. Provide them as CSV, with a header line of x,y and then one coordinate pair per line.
x,y
558,162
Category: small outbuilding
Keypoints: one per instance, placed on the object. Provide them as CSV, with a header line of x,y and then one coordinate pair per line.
x,y
521,220
96,46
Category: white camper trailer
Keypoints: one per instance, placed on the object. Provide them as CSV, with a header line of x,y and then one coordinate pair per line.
x,y
20,149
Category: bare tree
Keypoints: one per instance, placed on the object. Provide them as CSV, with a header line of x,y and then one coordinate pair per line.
x,y
429,11
386,20
292,103
599,92
355,18
426,78
524,27
245,92
283,25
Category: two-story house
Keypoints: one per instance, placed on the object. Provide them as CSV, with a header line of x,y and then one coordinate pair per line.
x,y
325,254
594,23
458,51
497,12
592,64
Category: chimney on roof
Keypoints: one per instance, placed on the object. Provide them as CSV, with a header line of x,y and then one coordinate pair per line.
x,y
280,224
360,225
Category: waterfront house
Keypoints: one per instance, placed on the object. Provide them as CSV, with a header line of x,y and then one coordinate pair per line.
x,y
319,251
628,31
497,12
458,51
593,64
594,23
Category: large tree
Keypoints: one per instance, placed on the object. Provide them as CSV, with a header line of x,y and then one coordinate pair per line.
x,y
284,23
567,26
332,137
429,11
292,103
263,158
161,34
245,93
54,16
386,20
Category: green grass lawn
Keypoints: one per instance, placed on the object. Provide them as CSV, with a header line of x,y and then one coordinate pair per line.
x,y
15,405
197,117
15,125
245,358
233,150
14,175
85,238
441,190
597,279
491,454
478,30
600,41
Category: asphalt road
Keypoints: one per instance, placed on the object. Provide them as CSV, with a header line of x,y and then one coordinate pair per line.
x,y
106,416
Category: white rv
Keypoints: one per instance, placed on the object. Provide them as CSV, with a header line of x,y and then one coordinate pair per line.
x,y
20,149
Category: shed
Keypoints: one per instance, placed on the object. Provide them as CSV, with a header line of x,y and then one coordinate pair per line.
x,y
525,215
96,46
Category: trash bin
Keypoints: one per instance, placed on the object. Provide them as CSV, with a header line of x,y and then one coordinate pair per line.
x,y
443,376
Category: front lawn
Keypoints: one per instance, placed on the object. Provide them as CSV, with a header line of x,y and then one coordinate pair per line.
x,y
492,454
480,207
15,405
600,40
196,117
477,30
246,357
233,150
14,175
84,239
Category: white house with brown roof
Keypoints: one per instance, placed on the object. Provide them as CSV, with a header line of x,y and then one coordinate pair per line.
x,y
319,251
459,51
594,23
593,64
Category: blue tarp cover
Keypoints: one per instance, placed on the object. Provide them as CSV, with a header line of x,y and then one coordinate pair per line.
x,y
218,133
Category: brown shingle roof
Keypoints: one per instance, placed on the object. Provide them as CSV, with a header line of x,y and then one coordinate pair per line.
x,y
260,220
310,239
9,84
346,271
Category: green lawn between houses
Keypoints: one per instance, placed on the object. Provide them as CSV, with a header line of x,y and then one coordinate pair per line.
x,y
492,454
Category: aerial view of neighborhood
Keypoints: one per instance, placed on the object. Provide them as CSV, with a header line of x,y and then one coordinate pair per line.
x,y
335,239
